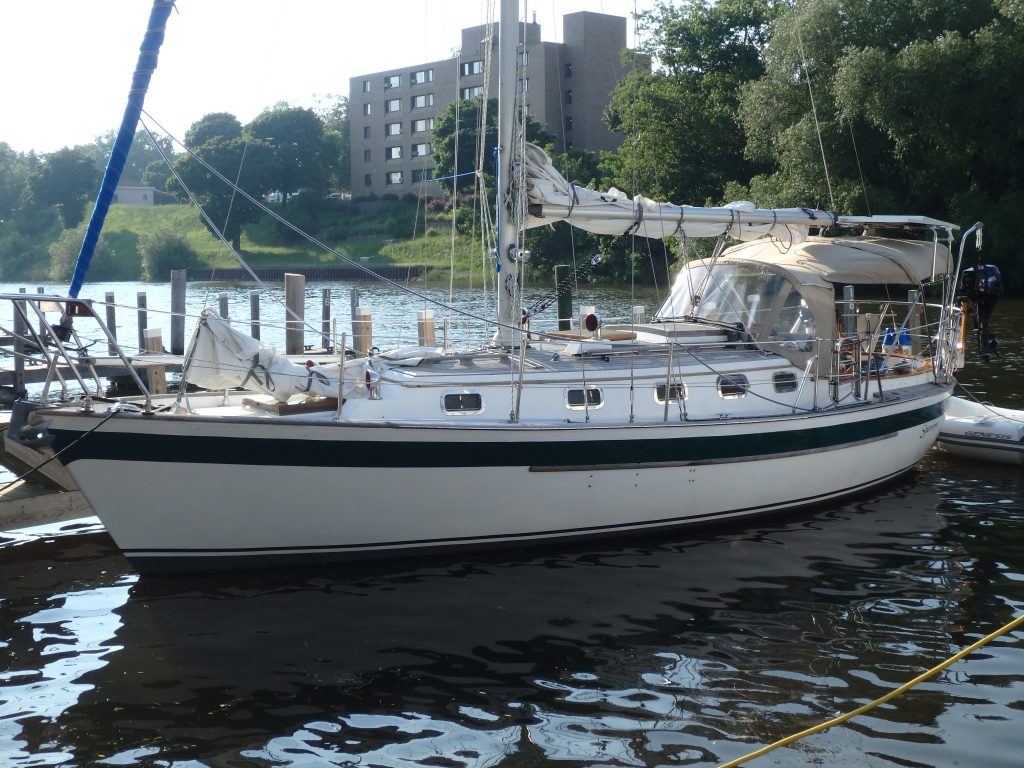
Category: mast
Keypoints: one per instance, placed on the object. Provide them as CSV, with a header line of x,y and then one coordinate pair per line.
x,y
508,291
148,53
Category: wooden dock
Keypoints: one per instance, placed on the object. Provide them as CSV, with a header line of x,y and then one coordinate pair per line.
x,y
106,366
26,504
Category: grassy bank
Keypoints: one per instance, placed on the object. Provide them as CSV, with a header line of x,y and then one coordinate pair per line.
x,y
267,243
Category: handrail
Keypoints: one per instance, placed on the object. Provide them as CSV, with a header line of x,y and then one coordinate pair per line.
x,y
72,308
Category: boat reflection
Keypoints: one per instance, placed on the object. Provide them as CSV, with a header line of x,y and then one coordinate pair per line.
x,y
686,651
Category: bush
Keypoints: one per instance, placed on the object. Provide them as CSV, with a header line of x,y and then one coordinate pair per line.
x,y
163,251
64,254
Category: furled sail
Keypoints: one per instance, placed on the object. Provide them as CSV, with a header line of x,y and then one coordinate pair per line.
x,y
552,198
222,358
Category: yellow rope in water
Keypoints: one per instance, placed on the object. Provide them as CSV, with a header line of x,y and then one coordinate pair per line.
x,y
871,705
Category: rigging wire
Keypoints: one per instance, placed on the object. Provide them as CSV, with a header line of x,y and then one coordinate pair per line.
x,y
814,111
315,241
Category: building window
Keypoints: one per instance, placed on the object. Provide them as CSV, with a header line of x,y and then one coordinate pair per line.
x,y
583,398
366,155
421,126
366,86
368,180
421,174
568,123
568,69
468,68
469,93
395,177
393,105
366,109
568,96
420,150
393,129
392,81
366,131
731,387
423,76
524,58
423,100
393,153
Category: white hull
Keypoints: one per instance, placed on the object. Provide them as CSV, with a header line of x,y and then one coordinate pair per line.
x,y
424,498
983,432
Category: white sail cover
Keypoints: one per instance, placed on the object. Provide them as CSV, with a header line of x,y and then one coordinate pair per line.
x,y
551,198
223,358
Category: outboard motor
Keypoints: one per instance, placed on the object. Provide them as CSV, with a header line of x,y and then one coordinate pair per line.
x,y
980,287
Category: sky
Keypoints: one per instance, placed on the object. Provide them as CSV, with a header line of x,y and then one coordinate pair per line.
x,y
66,65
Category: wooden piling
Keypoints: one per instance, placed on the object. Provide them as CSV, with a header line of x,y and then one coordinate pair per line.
x,y
143,322
295,313
108,297
425,327
254,314
178,311
19,351
362,330
564,306
222,305
325,316
156,375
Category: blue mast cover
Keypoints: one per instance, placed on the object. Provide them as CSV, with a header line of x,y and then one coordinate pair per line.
x,y
148,53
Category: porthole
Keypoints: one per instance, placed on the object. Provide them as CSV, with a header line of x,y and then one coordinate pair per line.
x,y
732,386
462,402
583,398
676,393
784,381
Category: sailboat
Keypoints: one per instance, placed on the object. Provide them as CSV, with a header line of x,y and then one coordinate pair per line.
x,y
773,377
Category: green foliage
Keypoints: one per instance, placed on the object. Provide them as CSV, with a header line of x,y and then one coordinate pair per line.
x,y
294,150
335,117
463,120
920,89
65,180
163,251
684,140
216,125
14,171
144,152
64,253
228,155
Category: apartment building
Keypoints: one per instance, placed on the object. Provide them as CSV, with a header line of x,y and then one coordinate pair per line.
x,y
567,86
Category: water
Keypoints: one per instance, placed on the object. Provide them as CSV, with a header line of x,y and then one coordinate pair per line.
x,y
394,310
684,650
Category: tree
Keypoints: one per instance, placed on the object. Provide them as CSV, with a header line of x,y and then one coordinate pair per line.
x,y
66,180
144,152
463,119
163,251
225,211
216,140
684,142
918,89
216,125
294,148
64,254
13,180
336,128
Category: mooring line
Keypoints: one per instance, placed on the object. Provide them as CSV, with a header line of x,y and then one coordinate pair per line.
x,y
871,705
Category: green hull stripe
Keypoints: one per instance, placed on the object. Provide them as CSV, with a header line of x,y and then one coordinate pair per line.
x,y
577,450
